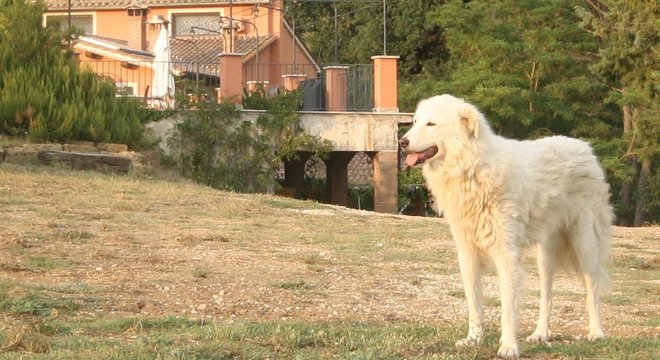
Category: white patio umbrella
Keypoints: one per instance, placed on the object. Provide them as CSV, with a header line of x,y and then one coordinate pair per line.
x,y
162,86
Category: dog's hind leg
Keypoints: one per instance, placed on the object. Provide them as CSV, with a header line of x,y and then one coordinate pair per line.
x,y
546,258
593,307
585,242
470,266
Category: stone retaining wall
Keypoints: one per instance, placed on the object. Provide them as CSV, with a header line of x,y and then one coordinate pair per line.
x,y
103,157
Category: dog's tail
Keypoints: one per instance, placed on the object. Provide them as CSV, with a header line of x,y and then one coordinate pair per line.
x,y
589,239
603,217
603,230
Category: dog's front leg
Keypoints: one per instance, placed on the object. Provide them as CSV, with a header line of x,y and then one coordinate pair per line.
x,y
470,266
510,277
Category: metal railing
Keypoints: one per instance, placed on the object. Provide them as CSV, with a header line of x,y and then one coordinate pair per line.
x,y
139,79
311,80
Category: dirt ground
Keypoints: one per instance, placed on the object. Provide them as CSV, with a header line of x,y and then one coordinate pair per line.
x,y
147,248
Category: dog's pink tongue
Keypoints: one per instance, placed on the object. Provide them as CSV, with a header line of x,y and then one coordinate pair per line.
x,y
411,159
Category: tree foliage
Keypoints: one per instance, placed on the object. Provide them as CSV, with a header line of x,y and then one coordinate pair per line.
x,y
529,65
219,149
43,94
534,71
526,64
629,47
359,32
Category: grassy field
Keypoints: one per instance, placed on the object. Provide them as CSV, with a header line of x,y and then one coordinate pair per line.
x,y
100,267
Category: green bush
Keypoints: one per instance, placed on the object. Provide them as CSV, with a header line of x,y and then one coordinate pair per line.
x,y
219,149
361,197
43,93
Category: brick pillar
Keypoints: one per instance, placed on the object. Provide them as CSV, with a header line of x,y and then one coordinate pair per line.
x,y
231,77
385,83
337,176
386,182
294,173
137,29
336,87
291,81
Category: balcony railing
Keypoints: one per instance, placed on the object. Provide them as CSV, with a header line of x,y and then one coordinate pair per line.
x,y
138,79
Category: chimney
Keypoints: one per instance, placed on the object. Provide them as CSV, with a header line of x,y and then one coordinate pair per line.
x,y
137,27
156,23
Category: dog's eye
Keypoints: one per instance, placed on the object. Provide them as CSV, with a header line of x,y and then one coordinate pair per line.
x,y
430,124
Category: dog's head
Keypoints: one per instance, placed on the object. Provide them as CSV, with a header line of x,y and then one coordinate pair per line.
x,y
441,124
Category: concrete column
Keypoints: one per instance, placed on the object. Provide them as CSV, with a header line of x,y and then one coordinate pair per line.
x,y
337,176
386,182
231,78
385,83
294,173
291,81
336,87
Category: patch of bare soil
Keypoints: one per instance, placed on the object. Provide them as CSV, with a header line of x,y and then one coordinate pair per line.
x,y
147,248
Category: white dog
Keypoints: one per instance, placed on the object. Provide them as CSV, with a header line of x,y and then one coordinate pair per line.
x,y
501,195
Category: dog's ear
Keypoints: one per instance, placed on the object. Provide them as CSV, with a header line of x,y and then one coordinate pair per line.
x,y
470,118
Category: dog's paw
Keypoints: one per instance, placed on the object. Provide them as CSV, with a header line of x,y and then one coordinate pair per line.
x,y
538,339
508,352
596,336
468,342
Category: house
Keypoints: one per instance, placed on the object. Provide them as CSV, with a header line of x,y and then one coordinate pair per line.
x,y
119,38
220,47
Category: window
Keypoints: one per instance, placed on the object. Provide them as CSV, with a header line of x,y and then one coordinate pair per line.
x,y
126,89
183,23
81,22
137,12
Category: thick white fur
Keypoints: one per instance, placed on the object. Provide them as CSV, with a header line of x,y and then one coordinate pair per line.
x,y
500,196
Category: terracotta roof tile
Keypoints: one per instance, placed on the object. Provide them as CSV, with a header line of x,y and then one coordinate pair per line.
x,y
207,49
187,51
122,4
118,54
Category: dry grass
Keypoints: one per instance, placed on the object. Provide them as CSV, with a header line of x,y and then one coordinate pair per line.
x,y
78,247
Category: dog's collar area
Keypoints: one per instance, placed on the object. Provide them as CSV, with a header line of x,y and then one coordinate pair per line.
x,y
417,158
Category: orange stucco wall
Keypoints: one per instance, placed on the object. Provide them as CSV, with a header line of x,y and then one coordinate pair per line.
x,y
274,61
114,23
278,61
138,75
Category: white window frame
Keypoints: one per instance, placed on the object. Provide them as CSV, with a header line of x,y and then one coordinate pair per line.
x,y
172,12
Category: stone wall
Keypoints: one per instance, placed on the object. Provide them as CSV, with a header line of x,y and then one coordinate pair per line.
x,y
102,157
360,169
